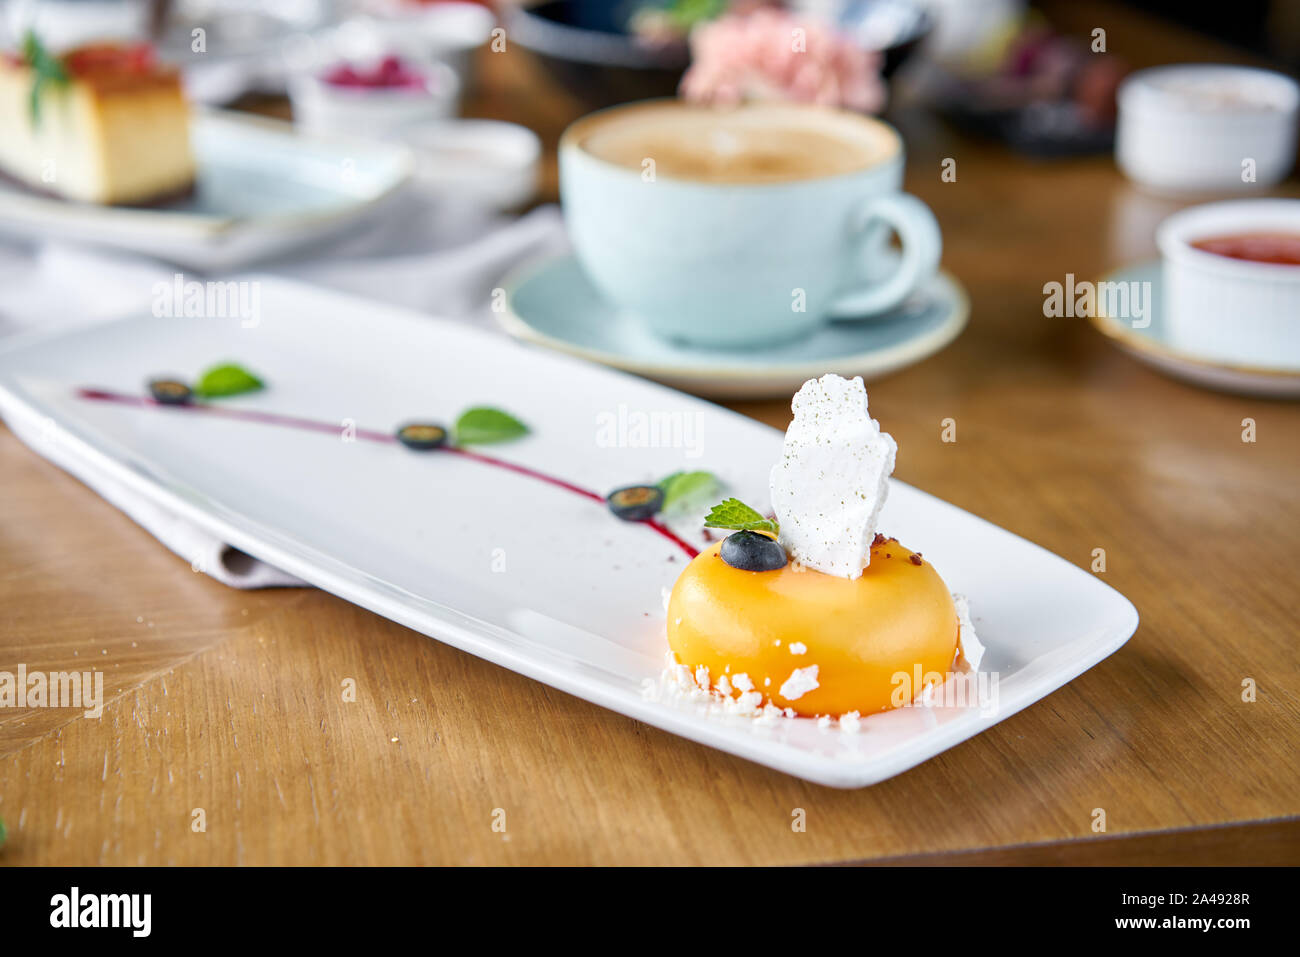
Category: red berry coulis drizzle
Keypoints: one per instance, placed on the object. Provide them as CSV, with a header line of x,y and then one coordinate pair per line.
x,y
369,435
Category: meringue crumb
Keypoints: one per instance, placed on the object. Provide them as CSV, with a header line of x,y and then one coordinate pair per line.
x,y
970,648
798,648
677,682
800,682
702,677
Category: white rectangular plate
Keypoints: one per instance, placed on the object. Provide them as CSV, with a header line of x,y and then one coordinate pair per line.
x,y
519,572
262,189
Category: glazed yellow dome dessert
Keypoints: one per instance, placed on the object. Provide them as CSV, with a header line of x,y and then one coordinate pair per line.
x,y
855,635
812,611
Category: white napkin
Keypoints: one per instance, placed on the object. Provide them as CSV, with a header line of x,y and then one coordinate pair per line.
x,y
433,257
203,551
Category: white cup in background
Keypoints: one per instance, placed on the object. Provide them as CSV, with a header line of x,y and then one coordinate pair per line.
x,y
1207,128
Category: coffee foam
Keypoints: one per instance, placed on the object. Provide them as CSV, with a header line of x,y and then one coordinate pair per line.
x,y
749,144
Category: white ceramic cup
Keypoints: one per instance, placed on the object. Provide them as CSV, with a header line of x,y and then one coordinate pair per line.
x,y
1231,310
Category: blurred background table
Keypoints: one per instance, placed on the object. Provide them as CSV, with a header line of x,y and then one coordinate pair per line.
x,y
227,701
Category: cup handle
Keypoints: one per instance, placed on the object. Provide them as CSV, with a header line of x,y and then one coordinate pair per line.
x,y
918,231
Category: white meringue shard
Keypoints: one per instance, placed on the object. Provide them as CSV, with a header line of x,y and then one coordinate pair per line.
x,y
833,477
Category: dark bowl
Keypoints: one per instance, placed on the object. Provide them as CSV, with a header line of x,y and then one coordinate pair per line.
x,y
897,54
894,27
600,67
582,44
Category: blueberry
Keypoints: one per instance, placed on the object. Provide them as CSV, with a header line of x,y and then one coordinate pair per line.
x,y
636,503
170,391
422,436
752,552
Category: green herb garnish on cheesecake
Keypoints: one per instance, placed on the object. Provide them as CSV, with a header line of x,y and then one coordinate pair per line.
x,y
46,70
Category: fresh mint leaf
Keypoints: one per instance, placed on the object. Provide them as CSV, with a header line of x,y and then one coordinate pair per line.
x,y
45,68
227,379
734,514
685,488
480,426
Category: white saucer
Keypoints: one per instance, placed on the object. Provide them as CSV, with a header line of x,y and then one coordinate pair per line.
x,y
1151,345
553,304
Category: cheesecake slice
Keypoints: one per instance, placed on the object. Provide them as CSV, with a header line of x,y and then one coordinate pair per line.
x,y
98,124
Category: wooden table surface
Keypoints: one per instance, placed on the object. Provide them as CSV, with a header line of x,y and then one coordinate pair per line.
x,y
227,702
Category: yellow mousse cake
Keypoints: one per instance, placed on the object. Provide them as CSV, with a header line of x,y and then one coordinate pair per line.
x,y
98,124
771,626
811,611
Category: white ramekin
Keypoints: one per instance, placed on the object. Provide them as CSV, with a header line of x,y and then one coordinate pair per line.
x,y
447,32
1227,310
493,163
1189,129
323,107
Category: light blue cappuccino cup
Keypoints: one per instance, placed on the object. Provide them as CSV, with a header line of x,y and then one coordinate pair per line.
x,y
735,264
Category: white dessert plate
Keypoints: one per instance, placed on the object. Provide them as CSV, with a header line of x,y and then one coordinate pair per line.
x,y
554,304
1151,345
521,572
262,190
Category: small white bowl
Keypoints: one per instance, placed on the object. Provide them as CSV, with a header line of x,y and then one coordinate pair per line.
x,y
379,112
1231,310
491,162
1189,129
445,31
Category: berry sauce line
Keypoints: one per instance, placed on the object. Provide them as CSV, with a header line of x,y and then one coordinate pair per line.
x,y
370,435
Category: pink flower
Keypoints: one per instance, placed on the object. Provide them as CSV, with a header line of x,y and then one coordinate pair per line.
x,y
771,55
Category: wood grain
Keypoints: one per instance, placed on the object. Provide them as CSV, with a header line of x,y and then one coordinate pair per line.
x,y
231,702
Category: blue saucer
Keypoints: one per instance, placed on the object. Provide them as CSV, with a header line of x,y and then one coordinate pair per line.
x,y
553,304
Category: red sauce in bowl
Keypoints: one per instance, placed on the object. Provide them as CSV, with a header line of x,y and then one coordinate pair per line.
x,y
1279,248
